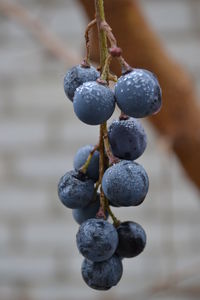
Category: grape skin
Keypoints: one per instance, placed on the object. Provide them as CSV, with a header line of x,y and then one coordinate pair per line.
x,y
97,239
93,103
102,275
132,239
76,76
138,93
127,138
75,190
125,184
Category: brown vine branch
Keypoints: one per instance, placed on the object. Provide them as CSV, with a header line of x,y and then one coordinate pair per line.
x,y
179,118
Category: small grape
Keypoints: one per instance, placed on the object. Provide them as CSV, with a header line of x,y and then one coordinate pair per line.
x,y
102,275
81,157
75,190
132,239
94,103
76,76
125,184
138,93
127,138
82,214
97,239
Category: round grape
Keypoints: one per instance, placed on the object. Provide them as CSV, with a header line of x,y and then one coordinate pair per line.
x,y
97,239
138,93
125,184
75,190
132,239
127,138
76,76
81,157
94,103
102,275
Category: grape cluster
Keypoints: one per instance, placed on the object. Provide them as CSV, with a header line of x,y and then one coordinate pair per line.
x,y
124,182
106,175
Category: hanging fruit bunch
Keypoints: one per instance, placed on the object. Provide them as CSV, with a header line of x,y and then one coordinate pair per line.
x,y
106,174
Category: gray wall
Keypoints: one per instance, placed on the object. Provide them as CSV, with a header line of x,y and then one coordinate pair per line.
x,y
39,135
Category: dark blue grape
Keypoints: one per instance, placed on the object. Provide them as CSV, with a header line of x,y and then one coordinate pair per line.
x,y
97,239
127,138
125,184
81,157
132,239
76,76
102,275
82,214
138,93
75,190
94,103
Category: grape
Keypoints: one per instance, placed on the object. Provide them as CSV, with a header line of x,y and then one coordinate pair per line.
x,y
97,239
125,184
94,103
127,138
138,93
132,239
76,76
81,157
75,190
102,275
82,214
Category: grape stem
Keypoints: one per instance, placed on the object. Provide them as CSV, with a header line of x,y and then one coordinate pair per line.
x,y
108,30
125,66
86,62
104,69
105,72
115,220
112,77
100,17
113,43
123,116
101,212
84,168
111,157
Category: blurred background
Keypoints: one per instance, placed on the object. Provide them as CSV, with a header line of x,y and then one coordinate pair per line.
x,y
39,135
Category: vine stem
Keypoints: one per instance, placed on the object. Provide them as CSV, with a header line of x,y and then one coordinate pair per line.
x,y
103,49
111,157
105,31
100,18
104,68
86,61
84,168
